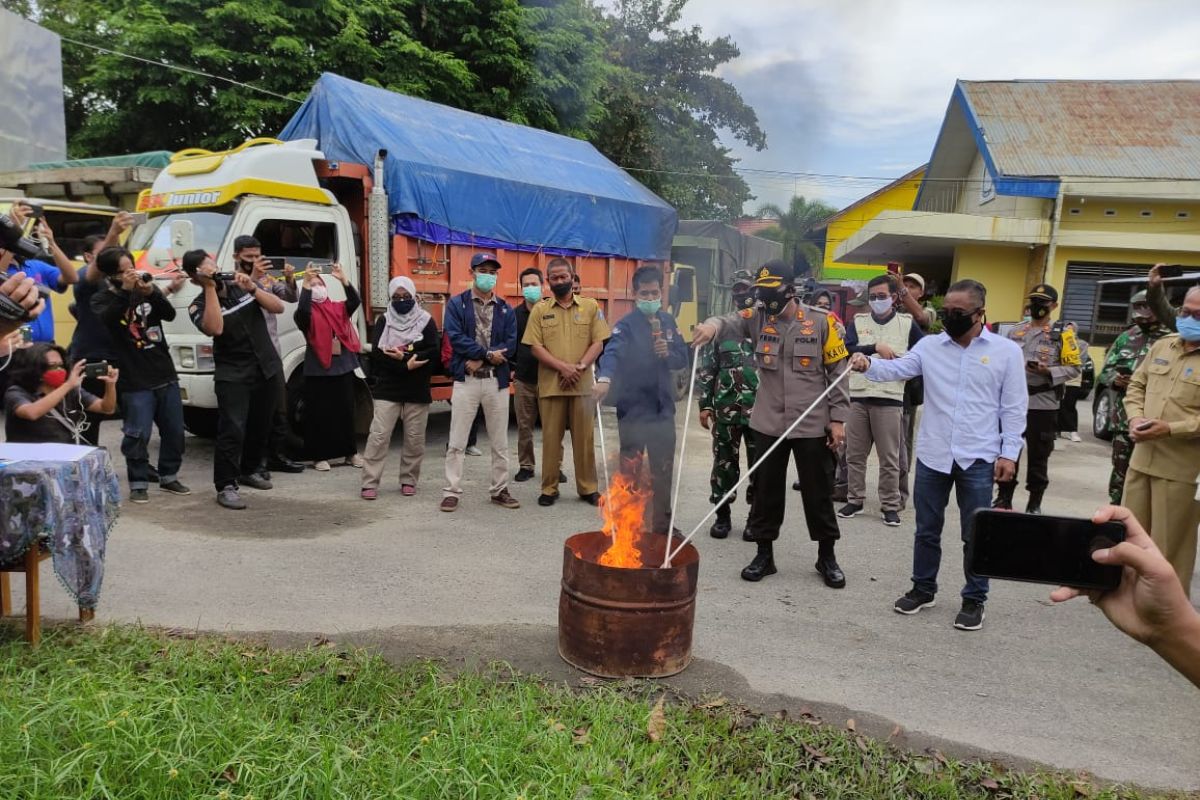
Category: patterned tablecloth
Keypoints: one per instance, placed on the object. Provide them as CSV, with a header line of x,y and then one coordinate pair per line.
x,y
70,497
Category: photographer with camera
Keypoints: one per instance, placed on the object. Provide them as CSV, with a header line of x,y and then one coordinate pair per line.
x,y
45,404
248,371
133,310
16,255
20,302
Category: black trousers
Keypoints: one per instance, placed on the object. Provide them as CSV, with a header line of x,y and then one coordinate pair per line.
x,y
1068,412
244,412
1041,429
815,463
656,438
279,438
92,434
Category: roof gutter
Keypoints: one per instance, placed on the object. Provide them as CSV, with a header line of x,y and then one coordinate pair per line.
x,y
1055,221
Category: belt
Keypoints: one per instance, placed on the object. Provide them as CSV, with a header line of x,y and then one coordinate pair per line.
x,y
484,372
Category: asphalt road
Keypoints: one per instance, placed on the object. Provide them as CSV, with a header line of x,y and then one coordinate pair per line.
x,y
1052,684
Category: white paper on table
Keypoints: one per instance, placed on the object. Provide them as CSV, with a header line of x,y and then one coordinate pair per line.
x,y
43,452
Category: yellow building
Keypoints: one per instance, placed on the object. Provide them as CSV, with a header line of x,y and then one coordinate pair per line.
x,y
1063,182
900,194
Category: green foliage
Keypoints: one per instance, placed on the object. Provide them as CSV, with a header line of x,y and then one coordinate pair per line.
x,y
121,712
628,77
795,229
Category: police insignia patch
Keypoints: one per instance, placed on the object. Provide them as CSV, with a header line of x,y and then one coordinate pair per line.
x,y
804,362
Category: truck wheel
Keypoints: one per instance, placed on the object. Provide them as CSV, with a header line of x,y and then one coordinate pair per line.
x,y
200,422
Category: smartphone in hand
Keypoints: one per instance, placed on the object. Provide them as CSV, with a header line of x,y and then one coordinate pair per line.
x,y
1043,549
1170,271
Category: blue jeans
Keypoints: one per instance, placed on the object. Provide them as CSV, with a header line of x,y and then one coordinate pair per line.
x,y
931,494
143,410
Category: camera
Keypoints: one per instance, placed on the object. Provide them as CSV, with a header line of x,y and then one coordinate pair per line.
x,y
96,369
145,277
13,239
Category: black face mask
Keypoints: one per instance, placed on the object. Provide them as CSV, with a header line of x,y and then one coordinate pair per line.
x,y
561,289
1039,310
245,266
403,306
774,300
957,325
743,300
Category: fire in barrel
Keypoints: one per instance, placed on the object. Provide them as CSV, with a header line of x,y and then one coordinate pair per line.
x,y
621,613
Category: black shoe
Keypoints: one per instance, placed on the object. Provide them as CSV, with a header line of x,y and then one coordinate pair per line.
x,y
547,499
796,486
831,572
1033,509
971,616
175,487
1034,506
562,476
721,528
746,535
1002,504
254,481
1004,497
281,463
153,476
891,518
592,499
912,602
523,474
850,510
759,568
138,496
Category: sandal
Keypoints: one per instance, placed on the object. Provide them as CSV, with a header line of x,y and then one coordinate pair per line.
x,y
407,489
369,494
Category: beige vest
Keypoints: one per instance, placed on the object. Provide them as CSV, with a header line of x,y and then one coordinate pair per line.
x,y
895,333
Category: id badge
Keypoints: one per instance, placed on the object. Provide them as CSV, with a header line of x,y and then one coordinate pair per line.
x,y
154,335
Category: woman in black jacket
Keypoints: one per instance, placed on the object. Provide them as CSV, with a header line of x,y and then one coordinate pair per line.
x,y
405,347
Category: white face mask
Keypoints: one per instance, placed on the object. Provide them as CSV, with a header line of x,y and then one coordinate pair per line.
x,y
319,293
881,307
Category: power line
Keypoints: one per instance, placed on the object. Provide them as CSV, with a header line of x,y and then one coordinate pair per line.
x,y
177,68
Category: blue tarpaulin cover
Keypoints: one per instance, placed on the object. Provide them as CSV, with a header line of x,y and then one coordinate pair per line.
x,y
457,177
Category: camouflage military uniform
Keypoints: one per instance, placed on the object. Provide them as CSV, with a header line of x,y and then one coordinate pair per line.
x,y
1123,357
728,382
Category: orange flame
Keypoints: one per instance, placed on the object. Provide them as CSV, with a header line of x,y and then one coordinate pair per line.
x,y
624,512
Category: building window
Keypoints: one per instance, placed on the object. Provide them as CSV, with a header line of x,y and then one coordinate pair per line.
x,y
1182,214
1145,212
1110,212
1075,212
1101,312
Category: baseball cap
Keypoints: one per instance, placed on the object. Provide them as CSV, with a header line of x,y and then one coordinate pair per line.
x,y
1140,297
774,274
484,258
1044,291
742,276
915,278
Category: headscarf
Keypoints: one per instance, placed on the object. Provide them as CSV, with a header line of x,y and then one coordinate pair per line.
x,y
330,321
401,330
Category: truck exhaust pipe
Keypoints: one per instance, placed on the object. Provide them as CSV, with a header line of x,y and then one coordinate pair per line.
x,y
379,262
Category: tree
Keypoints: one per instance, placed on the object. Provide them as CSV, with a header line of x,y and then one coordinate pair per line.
x,y
795,230
665,108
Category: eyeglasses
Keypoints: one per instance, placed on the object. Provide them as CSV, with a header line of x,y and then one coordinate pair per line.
x,y
953,312
1183,312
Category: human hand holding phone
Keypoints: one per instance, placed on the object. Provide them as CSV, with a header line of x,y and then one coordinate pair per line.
x,y
1040,548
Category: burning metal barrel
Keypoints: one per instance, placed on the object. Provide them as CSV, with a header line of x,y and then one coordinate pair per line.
x,y
620,613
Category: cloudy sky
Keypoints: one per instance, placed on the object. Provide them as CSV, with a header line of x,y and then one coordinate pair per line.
x,y
859,88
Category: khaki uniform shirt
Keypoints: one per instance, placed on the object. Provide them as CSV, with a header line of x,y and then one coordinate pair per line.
x,y
1166,386
797,359
567,333
1037,344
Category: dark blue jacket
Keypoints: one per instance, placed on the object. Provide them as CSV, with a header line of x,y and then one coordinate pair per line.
x,y
459,322
641,380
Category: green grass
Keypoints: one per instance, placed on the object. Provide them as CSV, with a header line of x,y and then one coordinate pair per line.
x,y
127,713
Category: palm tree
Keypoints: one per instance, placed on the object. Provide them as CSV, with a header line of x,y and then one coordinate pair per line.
x,y
794,230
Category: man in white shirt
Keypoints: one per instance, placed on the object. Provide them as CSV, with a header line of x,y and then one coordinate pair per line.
x,y
972,379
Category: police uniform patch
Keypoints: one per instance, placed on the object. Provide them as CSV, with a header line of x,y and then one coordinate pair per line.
x,y
804,362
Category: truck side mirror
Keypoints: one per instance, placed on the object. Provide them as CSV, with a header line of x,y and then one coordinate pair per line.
x,y
183,237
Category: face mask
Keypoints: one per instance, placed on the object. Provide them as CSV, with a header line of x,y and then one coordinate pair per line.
x,y
485,282
403,306
319,293
246,266
532,293
560,290
774,300
649,307
55,377
1188,329
881,307
957,325
1039,310
743,300
1144,323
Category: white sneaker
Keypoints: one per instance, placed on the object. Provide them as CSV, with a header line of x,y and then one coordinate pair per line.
x,y
321,466
1074,437
473,451
355,461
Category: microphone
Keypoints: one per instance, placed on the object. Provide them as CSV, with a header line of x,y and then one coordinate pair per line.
x,y
656,329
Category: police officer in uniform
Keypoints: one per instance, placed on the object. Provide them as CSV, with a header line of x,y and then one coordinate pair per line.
x,y
798,353
1123,359
1051,359
728,382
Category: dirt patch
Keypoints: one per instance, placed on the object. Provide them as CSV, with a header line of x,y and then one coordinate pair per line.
x,y
269,516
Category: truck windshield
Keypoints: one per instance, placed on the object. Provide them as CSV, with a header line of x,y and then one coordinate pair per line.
x,y
152,243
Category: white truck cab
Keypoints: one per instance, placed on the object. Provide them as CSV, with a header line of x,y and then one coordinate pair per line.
x,y
202,200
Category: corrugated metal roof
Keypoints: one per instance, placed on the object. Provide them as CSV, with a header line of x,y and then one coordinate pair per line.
x,y
1103,129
